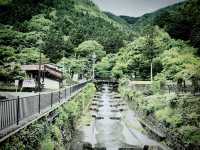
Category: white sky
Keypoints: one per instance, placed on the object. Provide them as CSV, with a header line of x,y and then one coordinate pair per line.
x,y
133,8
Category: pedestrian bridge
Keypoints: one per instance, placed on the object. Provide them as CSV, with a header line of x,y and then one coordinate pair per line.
x,y
105,81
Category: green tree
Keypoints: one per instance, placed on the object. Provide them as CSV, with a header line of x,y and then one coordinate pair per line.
x,y
7,55
39,23
72,66
54,46
150,49
31,56
103,69
131,61
87,48
9,70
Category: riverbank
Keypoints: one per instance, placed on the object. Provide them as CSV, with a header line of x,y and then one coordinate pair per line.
x,y
53,132
174,116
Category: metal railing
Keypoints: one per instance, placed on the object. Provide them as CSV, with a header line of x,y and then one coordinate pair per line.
x,y
12,111
173,88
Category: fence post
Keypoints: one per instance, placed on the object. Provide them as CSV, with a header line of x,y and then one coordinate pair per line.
x,y
18,109
39,103
51,99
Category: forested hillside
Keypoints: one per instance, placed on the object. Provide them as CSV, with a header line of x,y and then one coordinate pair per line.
x,y
181,21
159,37
130,20
116,18
57,27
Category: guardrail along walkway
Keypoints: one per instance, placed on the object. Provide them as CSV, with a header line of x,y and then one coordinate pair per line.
x,y
14,113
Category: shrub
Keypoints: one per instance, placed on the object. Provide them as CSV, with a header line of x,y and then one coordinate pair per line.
x,y
158,83
168,115
56,134
190,134
47,144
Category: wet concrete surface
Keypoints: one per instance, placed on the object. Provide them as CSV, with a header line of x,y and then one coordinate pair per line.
x,y
114,126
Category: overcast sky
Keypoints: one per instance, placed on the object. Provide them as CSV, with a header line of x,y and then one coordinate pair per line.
x,y
133,8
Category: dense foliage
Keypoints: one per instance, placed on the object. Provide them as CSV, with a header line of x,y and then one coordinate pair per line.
x,y
177,115
88,48
59,28
130,20
181,21
171,59
104,67
71,66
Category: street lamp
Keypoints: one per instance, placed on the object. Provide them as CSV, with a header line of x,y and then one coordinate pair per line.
x,y
93,64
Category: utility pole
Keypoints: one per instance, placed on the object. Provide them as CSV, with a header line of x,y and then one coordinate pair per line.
x,y
93,65
40,42
63,68
63,61
151,71
150,48
39,73
65,39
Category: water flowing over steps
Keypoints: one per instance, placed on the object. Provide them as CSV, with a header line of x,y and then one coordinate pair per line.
x,y
114,126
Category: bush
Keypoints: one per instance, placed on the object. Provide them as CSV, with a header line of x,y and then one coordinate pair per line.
x,y
47,144
154,103
158,83
56,134
190,134
169,116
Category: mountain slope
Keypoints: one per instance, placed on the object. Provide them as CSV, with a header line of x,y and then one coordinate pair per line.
x,y
79,20
56,28
116,18
150,18
181,21
130,20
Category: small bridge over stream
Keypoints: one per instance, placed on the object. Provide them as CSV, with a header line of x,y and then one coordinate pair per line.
x,y
106,81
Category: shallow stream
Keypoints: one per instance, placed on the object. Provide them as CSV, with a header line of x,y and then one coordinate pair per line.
x,y
114,126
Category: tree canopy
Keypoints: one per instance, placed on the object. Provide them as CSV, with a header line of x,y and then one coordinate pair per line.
x,y
88,48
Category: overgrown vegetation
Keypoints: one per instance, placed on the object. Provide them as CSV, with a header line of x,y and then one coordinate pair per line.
x,y
177,115
45,135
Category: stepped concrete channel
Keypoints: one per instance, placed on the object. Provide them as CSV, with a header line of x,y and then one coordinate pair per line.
x,y
113,127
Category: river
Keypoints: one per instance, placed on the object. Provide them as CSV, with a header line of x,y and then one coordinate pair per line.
x,y
114,126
